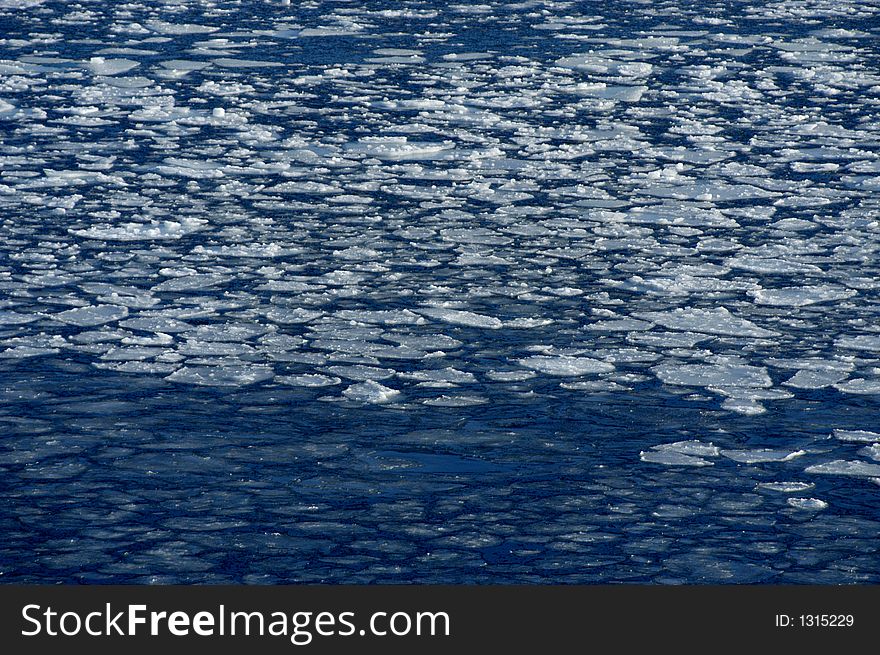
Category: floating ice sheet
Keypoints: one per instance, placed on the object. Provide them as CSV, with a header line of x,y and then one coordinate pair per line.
x,y
713,375
142,231
708,321
565,365
863,436
462,317
672,458
787,487
846,467
92,315
221,376
807,504
370,391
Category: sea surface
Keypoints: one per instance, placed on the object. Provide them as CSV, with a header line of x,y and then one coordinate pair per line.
x,y
417,292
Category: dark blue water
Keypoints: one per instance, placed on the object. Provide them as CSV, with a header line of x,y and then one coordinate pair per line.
x,y
405,292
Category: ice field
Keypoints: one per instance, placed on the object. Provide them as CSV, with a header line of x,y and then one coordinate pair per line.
x,y
509,292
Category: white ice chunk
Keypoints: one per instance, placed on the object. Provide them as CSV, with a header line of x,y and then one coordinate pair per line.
x,y
762,455
293,315
786,487
9,317
249,250
394,148
596,63
807,379
387,317
194,348
872,451
695,448
807,504
708,321
22,352
149,368
857,435
361,372
672,458
92,315
162,324
565,365
747,406
860,386
235,332
370,391
527,322
153,230
6,108
190,282
308,380
771,265
461,317
456,401
713,375
870,342
667,339
221,376
510,376
175,29
102,66
843,467
800,296
442,375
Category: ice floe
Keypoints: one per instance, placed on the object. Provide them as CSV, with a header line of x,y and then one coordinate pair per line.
x,y
370,391
565,365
